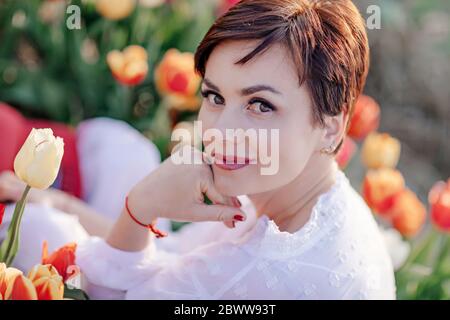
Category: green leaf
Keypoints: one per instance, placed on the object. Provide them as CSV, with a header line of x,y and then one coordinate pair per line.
x,y
74,293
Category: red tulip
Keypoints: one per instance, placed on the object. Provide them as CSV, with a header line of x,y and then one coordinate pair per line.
x,y
365,119
380,188
2,212
346,152
61,259
225,5
439,199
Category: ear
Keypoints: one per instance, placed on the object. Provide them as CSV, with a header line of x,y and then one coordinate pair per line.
x,y
334,130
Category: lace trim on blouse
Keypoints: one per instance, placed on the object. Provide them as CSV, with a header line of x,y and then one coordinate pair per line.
x,y
327,215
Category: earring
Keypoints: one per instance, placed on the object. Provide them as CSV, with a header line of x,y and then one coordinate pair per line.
x,y
328,151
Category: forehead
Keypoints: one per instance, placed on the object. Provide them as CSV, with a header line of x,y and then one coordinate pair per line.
x,y
273,67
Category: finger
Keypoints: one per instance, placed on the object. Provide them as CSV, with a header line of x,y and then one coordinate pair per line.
x,y
215,196
217,213
230,224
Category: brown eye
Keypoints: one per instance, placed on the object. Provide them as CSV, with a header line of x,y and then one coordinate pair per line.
x,y
260,107
213,98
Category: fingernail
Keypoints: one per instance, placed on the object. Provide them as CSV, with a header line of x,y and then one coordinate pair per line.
x,y
239,203
236,202
238,217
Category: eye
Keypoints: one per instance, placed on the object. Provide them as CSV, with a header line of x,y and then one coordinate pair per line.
x,y
213,98
260,106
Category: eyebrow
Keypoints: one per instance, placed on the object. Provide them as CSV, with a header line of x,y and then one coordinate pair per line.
x,y
246,91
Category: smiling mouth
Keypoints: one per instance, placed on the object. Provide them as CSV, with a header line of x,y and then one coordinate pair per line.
x,y
230,163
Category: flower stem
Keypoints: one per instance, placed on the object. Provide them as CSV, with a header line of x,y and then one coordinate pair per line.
x,y
10,245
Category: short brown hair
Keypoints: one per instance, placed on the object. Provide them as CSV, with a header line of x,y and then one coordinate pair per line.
x,y
327,40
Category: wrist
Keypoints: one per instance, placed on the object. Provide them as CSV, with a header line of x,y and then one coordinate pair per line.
x,y
140,210
150,226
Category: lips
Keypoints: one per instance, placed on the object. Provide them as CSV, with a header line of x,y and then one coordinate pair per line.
x,y
230,162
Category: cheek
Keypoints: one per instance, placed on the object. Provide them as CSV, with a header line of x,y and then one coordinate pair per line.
x,y
296,146
206,119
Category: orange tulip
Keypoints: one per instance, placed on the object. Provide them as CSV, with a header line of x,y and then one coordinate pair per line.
x,y
407,213
61,259
48,283
175,77
129,67
346,152
365,119
21,289
380,150
380,188
7,277
439,199
115,9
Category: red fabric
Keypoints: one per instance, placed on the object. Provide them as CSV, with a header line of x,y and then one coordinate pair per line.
x,y
14,130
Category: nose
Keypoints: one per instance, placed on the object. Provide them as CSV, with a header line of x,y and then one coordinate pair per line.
x,y
230,134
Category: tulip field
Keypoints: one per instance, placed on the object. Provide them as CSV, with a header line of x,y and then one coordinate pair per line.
x,y
133,60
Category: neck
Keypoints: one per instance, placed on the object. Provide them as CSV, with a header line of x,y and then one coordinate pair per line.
x,y
290,206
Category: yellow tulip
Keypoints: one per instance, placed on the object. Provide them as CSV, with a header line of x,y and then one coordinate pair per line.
x,y
48,283
38,161
115,9
130,66
380,150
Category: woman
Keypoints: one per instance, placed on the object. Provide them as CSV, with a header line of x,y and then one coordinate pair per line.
x,y
303,233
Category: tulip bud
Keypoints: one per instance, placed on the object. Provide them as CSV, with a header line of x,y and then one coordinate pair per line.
x,y
115,9
48,283
7,277
408,213
38,161
380,187
62,259
439,199
21,289
365,118
346,152
129,67
380,150
177,81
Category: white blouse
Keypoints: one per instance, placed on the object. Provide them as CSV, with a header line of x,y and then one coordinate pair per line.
x,y
338,254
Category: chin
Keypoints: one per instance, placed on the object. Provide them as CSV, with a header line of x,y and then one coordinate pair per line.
x,y
245,181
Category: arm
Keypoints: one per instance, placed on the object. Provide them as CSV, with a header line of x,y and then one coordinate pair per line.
x,y
94,223
11,189
179,196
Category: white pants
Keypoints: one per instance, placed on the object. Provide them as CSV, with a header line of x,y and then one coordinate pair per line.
x,y
113,157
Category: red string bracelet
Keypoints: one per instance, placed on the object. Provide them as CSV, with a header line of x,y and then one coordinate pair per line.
x,y
158,233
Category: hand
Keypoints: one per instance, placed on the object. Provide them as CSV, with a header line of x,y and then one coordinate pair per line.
x,y
176,192
11,189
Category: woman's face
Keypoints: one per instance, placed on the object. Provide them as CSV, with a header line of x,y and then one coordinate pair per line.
x,y
260,94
